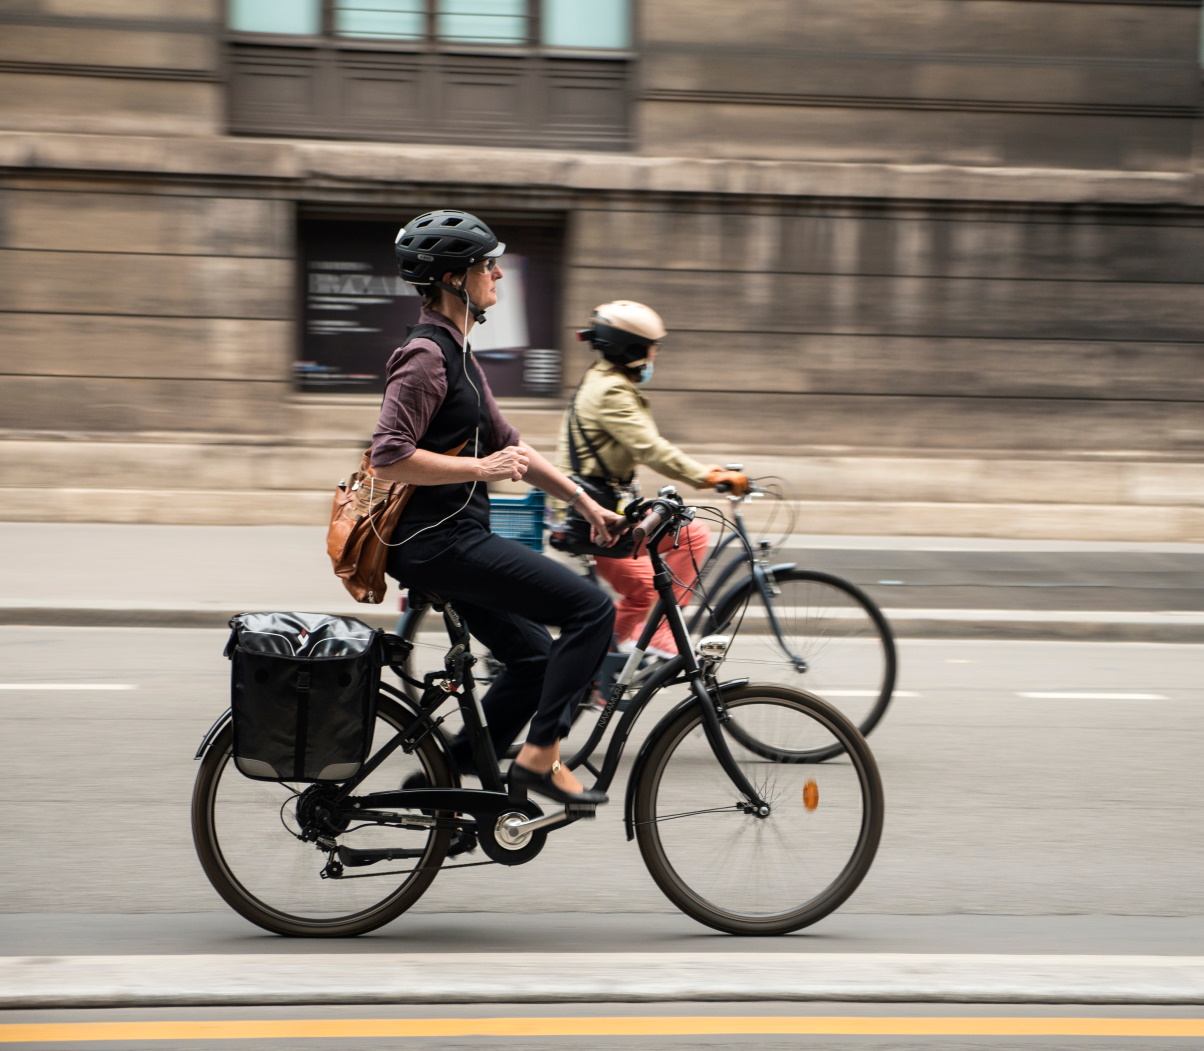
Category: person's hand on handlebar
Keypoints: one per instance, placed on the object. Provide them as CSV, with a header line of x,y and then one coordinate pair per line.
x,y
735,482
508,464
605,525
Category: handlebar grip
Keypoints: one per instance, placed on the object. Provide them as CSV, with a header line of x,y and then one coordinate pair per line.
x,y
649,524
723,487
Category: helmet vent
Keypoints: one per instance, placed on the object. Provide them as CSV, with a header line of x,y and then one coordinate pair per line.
x,y
427,243
453,221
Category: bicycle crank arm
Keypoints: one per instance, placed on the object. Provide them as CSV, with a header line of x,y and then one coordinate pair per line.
x,y
563,817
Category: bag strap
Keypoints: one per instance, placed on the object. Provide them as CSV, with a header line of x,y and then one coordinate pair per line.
x,y
574,456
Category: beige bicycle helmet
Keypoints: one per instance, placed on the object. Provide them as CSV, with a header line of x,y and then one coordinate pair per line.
x,y
623,331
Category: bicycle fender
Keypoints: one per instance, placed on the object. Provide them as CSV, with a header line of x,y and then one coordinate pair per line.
x,y
640,759
222,719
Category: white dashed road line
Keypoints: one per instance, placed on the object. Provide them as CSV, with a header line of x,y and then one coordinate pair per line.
x,y
1095,696
66,686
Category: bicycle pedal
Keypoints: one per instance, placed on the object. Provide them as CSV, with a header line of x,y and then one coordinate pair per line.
x,y
581,810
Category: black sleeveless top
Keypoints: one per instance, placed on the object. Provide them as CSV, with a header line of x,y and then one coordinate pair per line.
x,y
456,422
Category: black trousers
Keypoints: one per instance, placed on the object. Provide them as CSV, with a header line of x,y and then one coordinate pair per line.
x,y
506,593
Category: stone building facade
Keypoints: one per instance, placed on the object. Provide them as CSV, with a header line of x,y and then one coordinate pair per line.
x,y
938,262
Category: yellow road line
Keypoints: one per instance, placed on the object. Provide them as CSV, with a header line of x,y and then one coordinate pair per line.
x,y
363,1028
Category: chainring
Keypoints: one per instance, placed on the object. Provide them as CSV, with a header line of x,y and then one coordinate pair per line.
x,y
496,848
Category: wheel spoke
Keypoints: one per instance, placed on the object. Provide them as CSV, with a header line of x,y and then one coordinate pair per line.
x,y
258,852
835,628
759,874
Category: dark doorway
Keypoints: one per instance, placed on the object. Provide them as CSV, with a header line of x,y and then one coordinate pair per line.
x,y
355,309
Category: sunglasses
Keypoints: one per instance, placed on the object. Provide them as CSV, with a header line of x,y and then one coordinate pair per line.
x,y
486,266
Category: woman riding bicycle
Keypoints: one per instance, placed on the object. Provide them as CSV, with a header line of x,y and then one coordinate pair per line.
x,y
607,431
441,430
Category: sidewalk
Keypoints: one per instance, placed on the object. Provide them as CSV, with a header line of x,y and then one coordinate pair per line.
x,y
199,576
407,978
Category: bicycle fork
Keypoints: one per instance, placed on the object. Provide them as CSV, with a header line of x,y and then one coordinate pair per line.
x,y
662,581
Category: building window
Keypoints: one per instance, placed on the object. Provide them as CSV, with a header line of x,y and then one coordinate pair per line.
x,y
534,73
586,23
276,16
381,19
551,23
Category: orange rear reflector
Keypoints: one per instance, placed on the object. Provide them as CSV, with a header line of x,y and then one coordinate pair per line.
x,y
810,794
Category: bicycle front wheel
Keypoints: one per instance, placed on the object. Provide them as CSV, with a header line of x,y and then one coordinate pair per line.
x,y
247,836
741,872
825,636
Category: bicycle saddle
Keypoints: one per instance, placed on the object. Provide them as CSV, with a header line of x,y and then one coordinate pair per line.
x,y
417,599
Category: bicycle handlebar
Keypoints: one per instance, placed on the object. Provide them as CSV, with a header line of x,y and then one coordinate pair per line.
x,y
647,525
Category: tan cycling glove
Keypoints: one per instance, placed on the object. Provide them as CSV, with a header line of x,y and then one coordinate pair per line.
x,y
717,475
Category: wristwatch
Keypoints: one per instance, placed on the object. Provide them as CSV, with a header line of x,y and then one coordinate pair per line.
x,y
576,493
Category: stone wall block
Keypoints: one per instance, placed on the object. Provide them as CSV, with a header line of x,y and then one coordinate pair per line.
x,y
929,366
174,507
68,45
140,222
83,404
148,285
778,422
932,135
984,27
893,80
1165,483
906,306
167,11
136,347
192,465
109,106
816,237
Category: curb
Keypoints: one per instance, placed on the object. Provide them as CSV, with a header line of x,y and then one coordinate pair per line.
x,y
240,980
1083,626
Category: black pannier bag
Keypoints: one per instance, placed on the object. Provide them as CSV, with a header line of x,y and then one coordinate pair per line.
x,y
303,694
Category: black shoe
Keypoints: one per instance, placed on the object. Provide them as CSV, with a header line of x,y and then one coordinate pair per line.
x,y
461,842
521,777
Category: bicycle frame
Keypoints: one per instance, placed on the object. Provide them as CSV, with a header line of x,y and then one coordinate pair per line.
x,y
492,799
762,576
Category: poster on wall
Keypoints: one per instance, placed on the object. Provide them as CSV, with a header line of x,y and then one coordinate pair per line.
x,y
356,310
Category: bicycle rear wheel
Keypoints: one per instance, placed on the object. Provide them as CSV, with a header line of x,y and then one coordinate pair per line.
x,y
739,872
836,629
246,836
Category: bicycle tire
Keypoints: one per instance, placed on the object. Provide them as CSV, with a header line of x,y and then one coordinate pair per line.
x,y
837,628
830,839
245,853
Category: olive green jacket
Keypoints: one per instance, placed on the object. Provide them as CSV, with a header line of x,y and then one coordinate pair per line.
x,y
615,417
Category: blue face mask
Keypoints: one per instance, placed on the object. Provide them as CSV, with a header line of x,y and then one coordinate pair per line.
x,y
645,373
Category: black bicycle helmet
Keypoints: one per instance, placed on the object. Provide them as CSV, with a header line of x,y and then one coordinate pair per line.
x,y
447,239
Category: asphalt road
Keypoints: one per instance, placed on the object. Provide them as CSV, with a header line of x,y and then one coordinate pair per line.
x,y
998,803
1018,822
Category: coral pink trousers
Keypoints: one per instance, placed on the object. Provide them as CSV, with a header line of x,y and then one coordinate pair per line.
x,y
632,579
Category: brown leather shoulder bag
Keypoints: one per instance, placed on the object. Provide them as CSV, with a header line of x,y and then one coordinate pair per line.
x,y
364,515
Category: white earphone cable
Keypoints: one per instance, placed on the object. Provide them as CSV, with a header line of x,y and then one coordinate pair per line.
x,y
476,444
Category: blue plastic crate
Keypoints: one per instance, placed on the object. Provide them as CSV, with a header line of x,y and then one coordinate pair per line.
x,y
519,518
